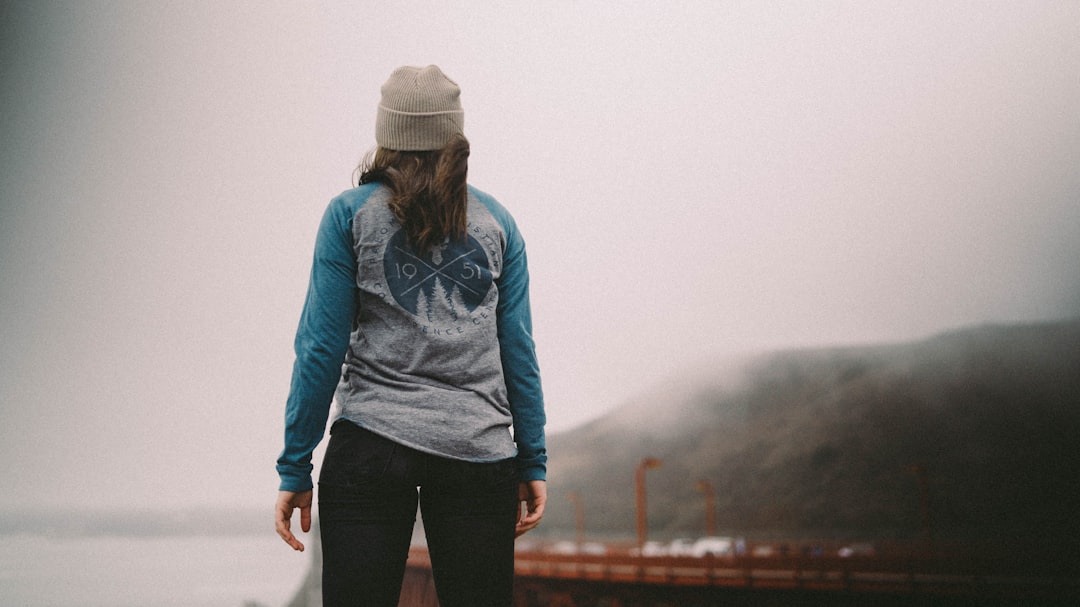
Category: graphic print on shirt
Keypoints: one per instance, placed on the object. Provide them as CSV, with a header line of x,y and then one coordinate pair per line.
x,y
446,283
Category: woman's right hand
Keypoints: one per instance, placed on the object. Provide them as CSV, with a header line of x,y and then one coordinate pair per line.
x,y
287,501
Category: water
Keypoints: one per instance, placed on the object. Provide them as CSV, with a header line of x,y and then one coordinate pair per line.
x,y
156,571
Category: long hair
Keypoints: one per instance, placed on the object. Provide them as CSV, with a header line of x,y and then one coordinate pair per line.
x,y
429,195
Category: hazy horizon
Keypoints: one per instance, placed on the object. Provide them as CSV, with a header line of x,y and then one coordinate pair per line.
x,y
692,181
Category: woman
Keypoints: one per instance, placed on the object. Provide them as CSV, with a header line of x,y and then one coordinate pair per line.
x,y
417,314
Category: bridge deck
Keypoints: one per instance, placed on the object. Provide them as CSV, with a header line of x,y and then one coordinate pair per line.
x,y
578,580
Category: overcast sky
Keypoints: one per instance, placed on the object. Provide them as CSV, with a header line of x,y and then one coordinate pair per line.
x,y
692,179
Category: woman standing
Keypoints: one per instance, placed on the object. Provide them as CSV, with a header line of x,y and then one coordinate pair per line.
x,y
417,321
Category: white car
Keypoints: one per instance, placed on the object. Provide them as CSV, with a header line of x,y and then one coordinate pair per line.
x,y
681,547
594,548
564,547
856,550
650,548
714,546
763,550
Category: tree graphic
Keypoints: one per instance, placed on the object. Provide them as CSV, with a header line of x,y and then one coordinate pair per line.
x,y
458,308
423,307
439,301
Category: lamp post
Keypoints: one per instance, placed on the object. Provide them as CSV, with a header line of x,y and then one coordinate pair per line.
x,y
579,517
919,469
710,506
639,490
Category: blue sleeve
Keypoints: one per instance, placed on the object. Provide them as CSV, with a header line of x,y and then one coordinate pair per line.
x,y
321,341
520,367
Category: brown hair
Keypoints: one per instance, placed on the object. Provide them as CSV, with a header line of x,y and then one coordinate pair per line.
x,y
429,196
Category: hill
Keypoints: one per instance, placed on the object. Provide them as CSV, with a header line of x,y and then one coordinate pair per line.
x,y
831,442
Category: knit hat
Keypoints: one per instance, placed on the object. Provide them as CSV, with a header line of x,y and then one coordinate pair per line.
x,y
420,110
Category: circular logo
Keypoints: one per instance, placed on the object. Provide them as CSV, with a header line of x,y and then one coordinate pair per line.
x,y
448,281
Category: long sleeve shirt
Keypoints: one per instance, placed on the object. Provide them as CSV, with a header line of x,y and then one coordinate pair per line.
x,y
431,349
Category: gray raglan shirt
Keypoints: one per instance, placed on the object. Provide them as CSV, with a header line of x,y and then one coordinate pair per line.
x,y
433,350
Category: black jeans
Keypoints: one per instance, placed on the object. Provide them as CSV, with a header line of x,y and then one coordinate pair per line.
x,y
368,493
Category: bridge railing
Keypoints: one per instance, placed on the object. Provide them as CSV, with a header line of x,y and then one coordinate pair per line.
x,y
892,574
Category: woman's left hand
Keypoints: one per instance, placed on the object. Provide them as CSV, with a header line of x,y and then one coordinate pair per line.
x,y
532,495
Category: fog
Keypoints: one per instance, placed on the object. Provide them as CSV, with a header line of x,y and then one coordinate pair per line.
x,y
693,180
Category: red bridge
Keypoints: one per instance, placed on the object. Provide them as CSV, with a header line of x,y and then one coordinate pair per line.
x,y
622,580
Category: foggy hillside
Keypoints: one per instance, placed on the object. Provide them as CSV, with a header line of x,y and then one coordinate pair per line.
x,y
825,442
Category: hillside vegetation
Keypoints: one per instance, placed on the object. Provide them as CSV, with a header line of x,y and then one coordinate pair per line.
x,y
827,442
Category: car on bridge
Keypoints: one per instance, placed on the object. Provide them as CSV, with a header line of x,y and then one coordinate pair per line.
x,y
855,550
651,548
713,546
681,547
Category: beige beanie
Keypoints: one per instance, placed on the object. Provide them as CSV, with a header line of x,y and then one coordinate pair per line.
x,y
420,110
